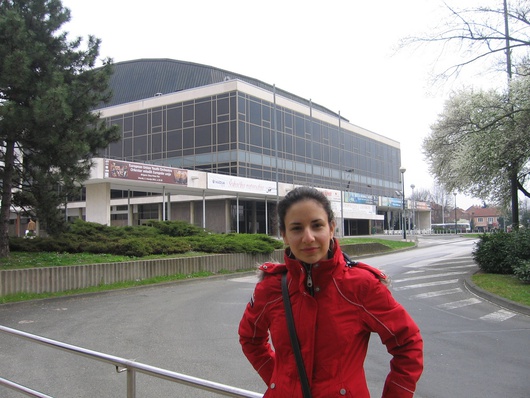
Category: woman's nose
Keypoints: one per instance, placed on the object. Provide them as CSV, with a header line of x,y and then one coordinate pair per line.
x,y
308,236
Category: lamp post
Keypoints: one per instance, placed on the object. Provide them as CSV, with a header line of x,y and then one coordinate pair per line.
x,y
412,186
402,171
454,193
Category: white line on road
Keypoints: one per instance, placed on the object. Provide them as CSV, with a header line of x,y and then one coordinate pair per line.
x,y
245,279
437,293
430,276
459,304
461,266
498,316
429,284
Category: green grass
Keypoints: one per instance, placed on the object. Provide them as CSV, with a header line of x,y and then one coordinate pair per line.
x,y
11,298
393,244
506,286
17,260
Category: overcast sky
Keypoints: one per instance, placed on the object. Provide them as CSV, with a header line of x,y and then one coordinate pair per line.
x,y
340,54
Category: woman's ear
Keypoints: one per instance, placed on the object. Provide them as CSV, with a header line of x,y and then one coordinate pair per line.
x,y
332,227
284,238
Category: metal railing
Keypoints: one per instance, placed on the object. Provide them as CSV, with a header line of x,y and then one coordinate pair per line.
x,y
123,365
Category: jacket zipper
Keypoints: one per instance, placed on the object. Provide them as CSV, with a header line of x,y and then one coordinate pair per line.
x,y
309,280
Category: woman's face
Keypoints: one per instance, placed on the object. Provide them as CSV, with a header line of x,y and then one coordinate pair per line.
x,y
307,231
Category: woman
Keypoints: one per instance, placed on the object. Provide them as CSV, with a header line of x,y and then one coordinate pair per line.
x,y
335,305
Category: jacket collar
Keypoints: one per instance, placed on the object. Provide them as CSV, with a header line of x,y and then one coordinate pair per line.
x,y
320,272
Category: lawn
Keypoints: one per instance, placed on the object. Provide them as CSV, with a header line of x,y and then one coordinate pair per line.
x,y
507,286
18,260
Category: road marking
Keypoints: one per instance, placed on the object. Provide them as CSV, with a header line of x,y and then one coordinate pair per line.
x,y
437,293
459,304
430,276
461,266
429,284
245,279
498,316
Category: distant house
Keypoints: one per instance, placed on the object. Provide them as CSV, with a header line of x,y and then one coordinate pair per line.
x,y
484,219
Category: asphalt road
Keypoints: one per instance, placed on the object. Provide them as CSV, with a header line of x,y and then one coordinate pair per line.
x,y
473,348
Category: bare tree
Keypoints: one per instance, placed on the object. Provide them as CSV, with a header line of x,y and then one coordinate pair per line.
x,y
479,35
492,36
421,195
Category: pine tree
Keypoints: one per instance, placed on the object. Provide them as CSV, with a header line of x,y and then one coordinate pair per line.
x,y
49,133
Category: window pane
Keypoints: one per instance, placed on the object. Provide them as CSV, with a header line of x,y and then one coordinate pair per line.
x,y
223,133
156,142
203,136
140,145
188,113
255,113
128,123
223,106
255,135
140,125
174,118
127,148
115,149
203,113
156,117
174,140
187,138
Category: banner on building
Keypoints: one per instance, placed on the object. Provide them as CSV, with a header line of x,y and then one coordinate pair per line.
x,y
240,184
354,197
392,202
145,172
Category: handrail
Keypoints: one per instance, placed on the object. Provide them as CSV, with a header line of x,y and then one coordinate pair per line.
x,y
125,365
18,387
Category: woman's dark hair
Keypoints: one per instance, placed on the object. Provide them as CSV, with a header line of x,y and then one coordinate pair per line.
x,y
299,194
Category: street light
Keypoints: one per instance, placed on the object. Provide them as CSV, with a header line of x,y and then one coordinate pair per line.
x,y
412,186
454,193
402,171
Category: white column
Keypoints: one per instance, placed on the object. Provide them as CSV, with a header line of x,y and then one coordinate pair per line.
x,y
98,203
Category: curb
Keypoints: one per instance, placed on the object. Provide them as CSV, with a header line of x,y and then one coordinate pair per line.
x,y
500,301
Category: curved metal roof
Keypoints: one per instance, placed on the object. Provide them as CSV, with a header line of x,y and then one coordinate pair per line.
x,y
145,78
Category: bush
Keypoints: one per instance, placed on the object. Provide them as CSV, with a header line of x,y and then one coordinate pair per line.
x,y
167,245
157,237
22,245
235,243
176,228
500,252
522,270
521,244
492,252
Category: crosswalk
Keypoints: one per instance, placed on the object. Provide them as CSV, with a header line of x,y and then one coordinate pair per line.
x,y
440,284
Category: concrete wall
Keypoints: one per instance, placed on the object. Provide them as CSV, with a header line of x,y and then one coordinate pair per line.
x,y
60,279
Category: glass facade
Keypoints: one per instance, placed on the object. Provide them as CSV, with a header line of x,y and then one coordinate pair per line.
x,y
238,134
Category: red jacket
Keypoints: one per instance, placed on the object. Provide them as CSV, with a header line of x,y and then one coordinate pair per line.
x,y
333,327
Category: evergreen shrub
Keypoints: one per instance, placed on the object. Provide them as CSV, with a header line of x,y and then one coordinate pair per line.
x,y
522,270
492,253
154,238
501,252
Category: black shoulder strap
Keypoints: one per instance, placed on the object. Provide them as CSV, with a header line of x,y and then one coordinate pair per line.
x,y
349,262
306,390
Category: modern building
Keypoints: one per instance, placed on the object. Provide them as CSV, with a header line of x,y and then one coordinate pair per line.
x,y
218,149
